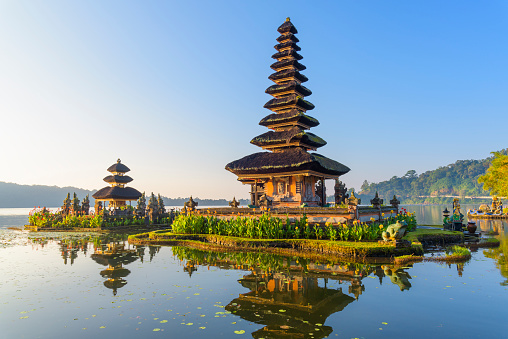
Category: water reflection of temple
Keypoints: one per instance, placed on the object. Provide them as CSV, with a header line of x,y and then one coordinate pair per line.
x,y
289,296
114,256
301,298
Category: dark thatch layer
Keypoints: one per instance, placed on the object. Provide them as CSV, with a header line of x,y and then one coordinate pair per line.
x,y
288,73
120,272
289,44
290,53
119,179
289,86
294,159
287,27
124,193
285,63
290,100
115,258
293,134
289,36
118,167
293,117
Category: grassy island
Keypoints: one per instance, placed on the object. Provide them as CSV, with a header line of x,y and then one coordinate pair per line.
x,y
276,235
345,249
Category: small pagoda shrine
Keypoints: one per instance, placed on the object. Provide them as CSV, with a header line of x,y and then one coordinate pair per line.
x,y
288,173
117,195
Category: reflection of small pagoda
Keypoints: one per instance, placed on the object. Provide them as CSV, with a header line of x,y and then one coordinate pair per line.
x,y
117,195
288,173
114,256
190,267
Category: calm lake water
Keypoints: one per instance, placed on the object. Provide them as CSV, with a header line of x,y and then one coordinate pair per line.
x,y
75,285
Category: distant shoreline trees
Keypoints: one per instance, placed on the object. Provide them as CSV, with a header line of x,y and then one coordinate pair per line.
x,y
496,178
460,179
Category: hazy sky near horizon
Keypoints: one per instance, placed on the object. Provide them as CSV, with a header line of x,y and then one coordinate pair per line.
x,y
176,88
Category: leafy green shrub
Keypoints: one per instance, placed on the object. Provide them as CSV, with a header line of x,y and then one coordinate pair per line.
x,y
457,251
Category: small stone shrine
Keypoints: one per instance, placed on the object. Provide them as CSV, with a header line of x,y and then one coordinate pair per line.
x,y
376,202
234,203
395,203
85,206
190,205
152,209
76,207
286,175
66,207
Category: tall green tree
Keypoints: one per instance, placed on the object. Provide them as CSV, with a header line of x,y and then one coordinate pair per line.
x,y
496,177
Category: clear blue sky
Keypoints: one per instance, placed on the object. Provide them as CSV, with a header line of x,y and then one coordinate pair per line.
x,y
176,88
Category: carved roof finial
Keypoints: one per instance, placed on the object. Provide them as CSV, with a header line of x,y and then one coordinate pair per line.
x,y
288,19
118,160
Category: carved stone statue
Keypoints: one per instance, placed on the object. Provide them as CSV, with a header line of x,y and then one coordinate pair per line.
x,y
395,231
85,205
353,200
497,206
352,205
280,187
340,192
191,204
265,201
234,203
457,215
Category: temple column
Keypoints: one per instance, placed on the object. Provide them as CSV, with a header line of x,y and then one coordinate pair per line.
x,y
256,192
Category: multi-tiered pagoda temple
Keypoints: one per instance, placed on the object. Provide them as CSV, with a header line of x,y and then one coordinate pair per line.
x,y
117,195
287,174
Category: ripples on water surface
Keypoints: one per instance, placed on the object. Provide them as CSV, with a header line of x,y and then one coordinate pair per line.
x,y
80,285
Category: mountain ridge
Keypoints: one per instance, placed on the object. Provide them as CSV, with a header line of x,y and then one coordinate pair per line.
x,y
14,195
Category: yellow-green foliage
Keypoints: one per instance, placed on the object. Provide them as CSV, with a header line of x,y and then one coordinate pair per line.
x,y
434,235
404,259
500,254
269,227
458,251
496,177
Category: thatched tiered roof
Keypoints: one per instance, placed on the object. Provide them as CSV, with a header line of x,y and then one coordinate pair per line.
x,y
117,191
291,118
291,160
289,140
118,167
118,179
294,136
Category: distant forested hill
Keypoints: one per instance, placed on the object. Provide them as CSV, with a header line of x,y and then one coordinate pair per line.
x,y
15,195
457,179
